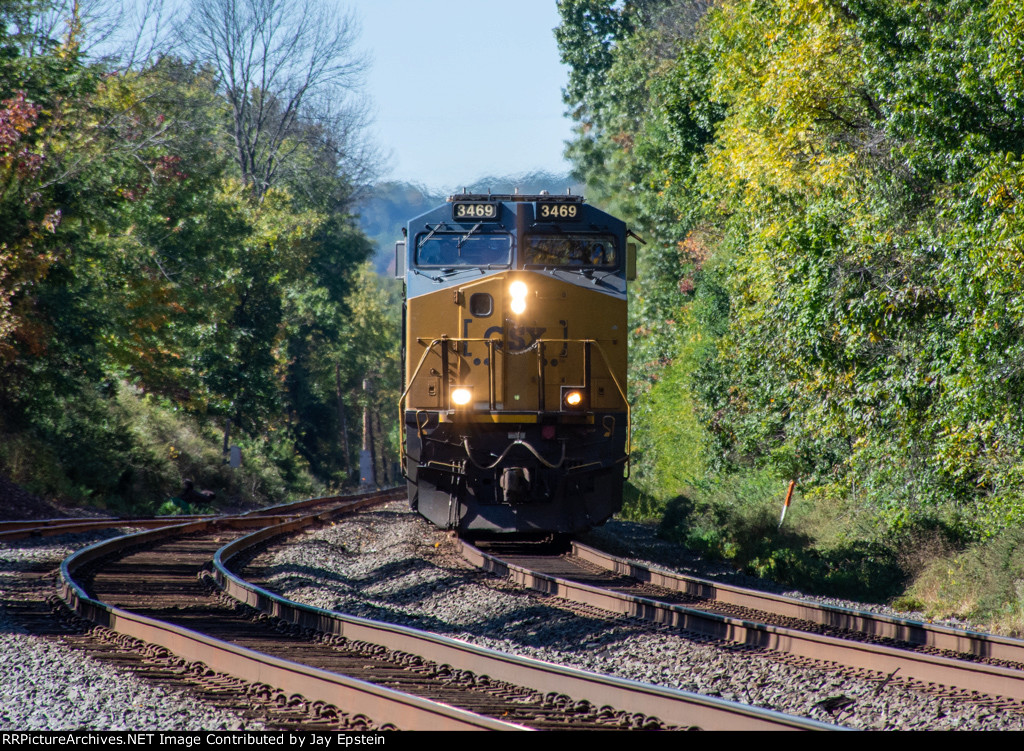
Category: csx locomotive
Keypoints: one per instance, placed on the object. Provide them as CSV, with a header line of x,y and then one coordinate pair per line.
x,y
514,411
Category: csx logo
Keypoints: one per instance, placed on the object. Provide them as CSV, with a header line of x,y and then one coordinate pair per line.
x,y
519,338
522,338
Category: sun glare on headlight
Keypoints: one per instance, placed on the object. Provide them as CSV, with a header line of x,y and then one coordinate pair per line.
x,y
518,290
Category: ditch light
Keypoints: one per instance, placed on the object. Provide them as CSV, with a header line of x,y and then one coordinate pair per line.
x,y
574,399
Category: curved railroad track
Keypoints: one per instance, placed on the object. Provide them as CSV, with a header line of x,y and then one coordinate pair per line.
x,y
148,589
12,531
954,662
354,672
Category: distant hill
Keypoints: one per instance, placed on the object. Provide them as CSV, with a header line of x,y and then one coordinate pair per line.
x,y
389,205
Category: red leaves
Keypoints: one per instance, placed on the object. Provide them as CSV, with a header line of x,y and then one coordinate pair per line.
x,y
167,166
17,118
695,250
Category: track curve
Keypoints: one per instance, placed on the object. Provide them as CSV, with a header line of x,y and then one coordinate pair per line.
x,y
359,699
676,708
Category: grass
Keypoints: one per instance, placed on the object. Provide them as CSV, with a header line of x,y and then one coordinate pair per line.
x,y
736,519
983,584
638,506
831,544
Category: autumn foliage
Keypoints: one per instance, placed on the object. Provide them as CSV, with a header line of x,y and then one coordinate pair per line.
x,y
151,299
851,172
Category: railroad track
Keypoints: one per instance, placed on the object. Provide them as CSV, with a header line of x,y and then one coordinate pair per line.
x,y
147,588
12,531
938,659
355,668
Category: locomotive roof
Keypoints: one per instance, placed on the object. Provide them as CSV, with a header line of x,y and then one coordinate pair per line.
x,y
523,197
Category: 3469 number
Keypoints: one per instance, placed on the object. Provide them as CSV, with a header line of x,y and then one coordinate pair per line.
x,y
475,211
558,211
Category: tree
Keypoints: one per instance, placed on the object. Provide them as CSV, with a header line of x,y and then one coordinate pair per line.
x,y
289,71
140,277
832,191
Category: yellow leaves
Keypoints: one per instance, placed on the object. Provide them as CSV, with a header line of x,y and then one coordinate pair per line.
x,y
281,236
68,50
51,220
1006,24
789,82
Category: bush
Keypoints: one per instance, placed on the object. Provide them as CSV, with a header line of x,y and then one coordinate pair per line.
x,y
736,518
129,453
983,583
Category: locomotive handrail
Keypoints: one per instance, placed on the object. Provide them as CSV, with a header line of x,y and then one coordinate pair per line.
x,y
405,393
423,359
490,366
611,372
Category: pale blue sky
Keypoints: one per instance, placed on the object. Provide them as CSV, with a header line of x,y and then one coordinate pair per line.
x,y
464,89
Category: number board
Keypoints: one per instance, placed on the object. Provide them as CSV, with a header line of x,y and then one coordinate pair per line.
x,y
559,212
475,212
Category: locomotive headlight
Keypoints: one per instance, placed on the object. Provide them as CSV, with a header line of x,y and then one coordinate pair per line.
x,y
461,397
518,290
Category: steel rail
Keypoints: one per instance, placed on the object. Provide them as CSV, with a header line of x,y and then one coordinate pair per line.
x,y
964,641
11,525
348,694
669,705
294,507
14,530
987,679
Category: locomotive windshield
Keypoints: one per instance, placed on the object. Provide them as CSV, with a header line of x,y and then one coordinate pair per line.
x,y
453,250
591,251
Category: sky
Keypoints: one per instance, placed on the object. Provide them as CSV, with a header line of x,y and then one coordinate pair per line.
x,y
462,90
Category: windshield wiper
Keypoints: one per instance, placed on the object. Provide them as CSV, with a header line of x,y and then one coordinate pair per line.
x,y
431,278
433,231
466,237
589,274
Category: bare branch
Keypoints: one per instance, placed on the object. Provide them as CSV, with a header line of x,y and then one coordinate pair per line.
x,y
277,62
124,33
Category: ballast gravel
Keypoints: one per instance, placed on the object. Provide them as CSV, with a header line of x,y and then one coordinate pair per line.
x,y
390,565
50,686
